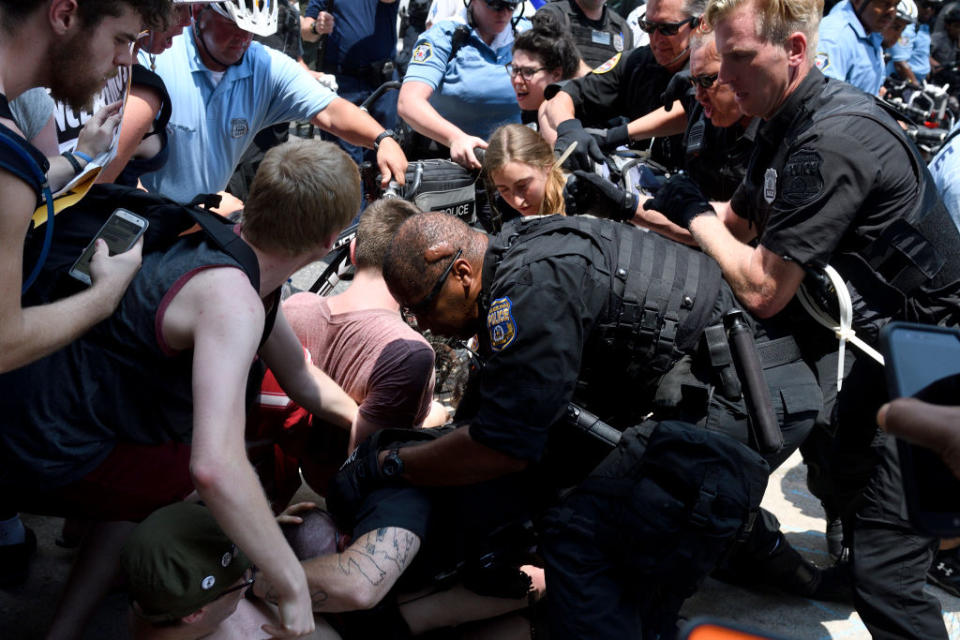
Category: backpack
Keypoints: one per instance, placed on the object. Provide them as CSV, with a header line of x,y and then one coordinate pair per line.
x,y
78,224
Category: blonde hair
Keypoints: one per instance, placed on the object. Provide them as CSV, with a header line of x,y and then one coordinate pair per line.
x,y
776,19
304,192
518,143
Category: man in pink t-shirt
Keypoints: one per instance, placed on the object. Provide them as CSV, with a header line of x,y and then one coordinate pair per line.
x,y
361,341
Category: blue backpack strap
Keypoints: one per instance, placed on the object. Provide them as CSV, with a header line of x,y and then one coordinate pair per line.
x,y
30,172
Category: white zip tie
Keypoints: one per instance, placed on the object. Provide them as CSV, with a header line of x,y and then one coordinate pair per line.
x,y
844,329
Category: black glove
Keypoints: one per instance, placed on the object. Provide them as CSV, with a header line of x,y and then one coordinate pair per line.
x,y
678,87
358,476
587,192
570,131
681,200
615,137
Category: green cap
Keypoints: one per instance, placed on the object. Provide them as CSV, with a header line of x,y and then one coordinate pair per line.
x,y
178,560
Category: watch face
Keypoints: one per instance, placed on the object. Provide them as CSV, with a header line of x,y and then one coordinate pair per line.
x,y
392,465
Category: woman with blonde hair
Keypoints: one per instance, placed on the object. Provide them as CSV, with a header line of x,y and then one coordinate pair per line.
x,y
519,167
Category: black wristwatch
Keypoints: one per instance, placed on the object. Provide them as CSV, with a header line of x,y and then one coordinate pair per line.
x,y
313,28
392,467
387,133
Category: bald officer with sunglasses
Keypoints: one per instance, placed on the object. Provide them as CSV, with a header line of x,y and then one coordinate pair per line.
x,y
628,85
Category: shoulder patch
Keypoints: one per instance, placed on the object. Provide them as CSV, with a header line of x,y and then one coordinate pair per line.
x,y
802,178
422,53
500,324
823,60
609,64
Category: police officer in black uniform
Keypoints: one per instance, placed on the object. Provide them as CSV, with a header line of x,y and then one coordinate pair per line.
x,y
833,181
626,86
621,320
599,36
716,149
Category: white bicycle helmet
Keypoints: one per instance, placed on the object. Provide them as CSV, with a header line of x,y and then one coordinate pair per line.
x,y
256,16
907,11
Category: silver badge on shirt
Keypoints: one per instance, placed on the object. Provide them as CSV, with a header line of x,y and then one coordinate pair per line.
x,y
770,185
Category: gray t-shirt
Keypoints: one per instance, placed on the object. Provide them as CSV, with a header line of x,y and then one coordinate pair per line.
x,y
32,110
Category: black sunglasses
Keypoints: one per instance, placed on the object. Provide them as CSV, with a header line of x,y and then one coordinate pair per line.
x,y
665,28
423,307
705,81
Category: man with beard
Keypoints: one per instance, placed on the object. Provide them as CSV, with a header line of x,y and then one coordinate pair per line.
x,y
70,46
224,88
627,85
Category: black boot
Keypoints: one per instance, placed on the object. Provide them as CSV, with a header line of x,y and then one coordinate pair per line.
x,y
788,571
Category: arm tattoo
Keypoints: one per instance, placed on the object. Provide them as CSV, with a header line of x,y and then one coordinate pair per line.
x,y
376,550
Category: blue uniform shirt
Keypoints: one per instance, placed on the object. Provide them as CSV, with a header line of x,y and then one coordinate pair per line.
x,y
902,49
473,90
847,52
920,56
212,125
364,31
945,168
913,47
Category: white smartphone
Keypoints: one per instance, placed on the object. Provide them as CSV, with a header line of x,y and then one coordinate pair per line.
x,y
121,231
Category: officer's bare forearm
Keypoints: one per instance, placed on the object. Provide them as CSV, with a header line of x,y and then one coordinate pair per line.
x,y
656,221
413,105
761,280
659,123
558,109
345,120
453,460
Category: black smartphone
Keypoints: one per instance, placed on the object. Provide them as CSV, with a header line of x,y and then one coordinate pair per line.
x,y
923,361
121,231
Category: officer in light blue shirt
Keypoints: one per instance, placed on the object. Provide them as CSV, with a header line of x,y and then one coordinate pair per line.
x,y
898,41
849,45
945,168
459,100
224,89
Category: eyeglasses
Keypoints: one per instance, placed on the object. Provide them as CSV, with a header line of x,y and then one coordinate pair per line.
x,y
247,582
665,28
705,81
501,5
423,307
524,72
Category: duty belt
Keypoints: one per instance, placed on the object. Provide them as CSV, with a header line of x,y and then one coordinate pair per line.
x,y
771,353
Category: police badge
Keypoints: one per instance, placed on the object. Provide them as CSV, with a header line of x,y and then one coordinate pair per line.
x,y
500,324
770,185
422,53
239,127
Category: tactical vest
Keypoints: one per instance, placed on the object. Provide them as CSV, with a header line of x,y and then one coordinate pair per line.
x,y
593,52
662,294
918,250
